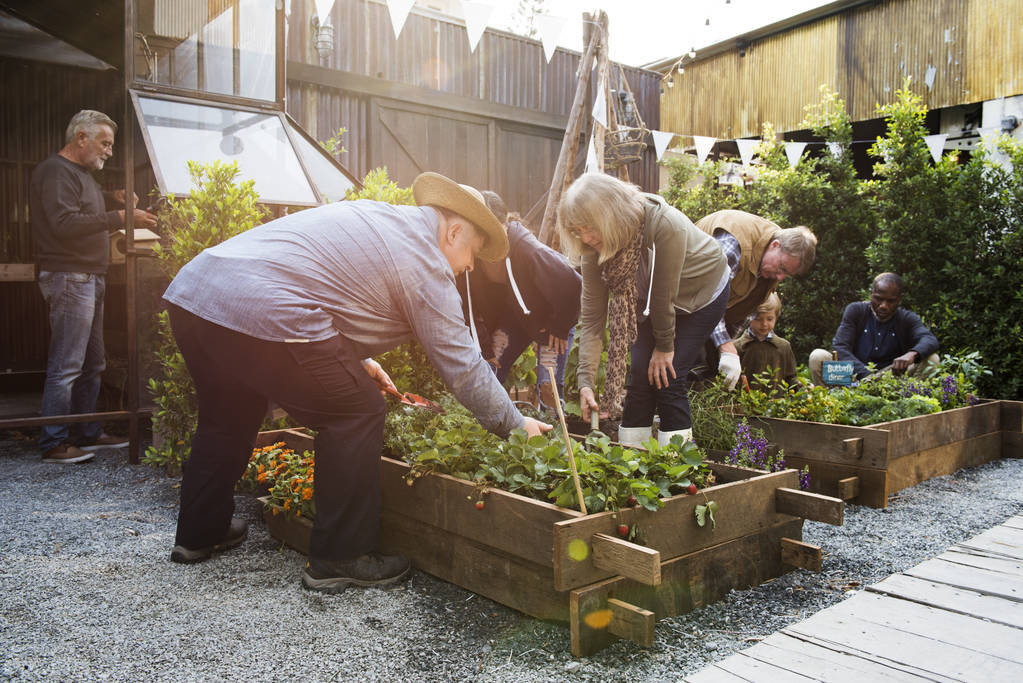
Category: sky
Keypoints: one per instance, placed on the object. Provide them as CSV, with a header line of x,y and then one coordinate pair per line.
x,y
643,31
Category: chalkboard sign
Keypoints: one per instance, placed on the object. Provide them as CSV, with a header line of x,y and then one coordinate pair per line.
x,y
837,372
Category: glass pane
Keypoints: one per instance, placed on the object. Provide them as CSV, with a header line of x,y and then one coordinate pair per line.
x,y
217,46
178,132
331,181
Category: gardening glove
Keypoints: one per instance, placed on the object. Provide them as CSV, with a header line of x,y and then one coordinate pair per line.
x,y
730,368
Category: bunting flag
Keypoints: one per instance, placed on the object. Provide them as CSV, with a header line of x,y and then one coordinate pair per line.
x,y
323,8
836,149
399,10
703,146
936,143
746,149
550,28
591,158
477,14
661,140
600,104
929,77
794,150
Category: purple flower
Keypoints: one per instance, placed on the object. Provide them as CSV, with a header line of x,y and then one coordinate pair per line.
x,y
804,479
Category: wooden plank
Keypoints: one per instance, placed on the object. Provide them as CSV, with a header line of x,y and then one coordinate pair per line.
x,y
292,530
744,507
511,523
1012,445
810,506
296,439
713,674
632,623
911,652
1001,540
509,580
970,578
17,272
633,561
1011,416
752,669
822,442
952,599
972,633
825,478
825,664
848,488
910,470
925,432
983,560
1014,522
687,582
804,555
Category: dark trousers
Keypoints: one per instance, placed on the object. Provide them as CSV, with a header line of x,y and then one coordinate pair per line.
x,y
324,387
642,399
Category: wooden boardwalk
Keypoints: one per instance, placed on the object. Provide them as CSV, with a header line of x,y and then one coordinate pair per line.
x,y
957,617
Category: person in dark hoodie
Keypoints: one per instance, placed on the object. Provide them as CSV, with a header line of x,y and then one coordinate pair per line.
x,y
530,296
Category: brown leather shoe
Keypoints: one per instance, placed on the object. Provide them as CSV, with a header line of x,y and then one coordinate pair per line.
x,y
372,569
104,440
66,454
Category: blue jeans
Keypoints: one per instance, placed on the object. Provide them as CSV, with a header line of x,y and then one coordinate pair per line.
x,y
518,340
76,356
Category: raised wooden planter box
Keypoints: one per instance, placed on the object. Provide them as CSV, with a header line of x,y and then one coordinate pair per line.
x,y
867,464
556,563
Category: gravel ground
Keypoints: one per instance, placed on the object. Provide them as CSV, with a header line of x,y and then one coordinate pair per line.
x,y
87,591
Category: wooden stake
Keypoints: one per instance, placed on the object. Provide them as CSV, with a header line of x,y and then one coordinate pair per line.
x,y
568,440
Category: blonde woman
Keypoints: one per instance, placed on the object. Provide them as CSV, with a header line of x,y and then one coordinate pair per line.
x,y
659,283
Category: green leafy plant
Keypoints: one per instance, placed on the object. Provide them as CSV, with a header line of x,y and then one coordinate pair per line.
x,y
376,185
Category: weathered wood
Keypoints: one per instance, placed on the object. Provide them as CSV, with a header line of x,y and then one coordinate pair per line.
x,y
292,530
810,506
1012,445
821,442
804,555
1011,416
744,507
1014,522
824,478
687,582
713,674
633,561
296,439
632,623
853,448
970,578
924,432
1002,540
848,488
747,668
17,272
910,470
951,598
996,563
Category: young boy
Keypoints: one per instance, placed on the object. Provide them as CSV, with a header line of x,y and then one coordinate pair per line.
x,y
759,348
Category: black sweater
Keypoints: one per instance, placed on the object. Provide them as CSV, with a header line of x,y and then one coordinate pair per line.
x,y
910,332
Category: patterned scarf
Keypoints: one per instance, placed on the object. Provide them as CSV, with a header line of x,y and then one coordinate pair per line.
x,y
619,275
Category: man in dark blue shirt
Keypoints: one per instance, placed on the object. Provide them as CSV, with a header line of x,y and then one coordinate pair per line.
x,y
880,332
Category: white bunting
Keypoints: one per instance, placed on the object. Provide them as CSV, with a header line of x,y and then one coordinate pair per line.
x,y
794,150
936,143
836,149
591,158
399,10
661,140
929,76
550,28
477,14
323,8
703,146
600,104
746,150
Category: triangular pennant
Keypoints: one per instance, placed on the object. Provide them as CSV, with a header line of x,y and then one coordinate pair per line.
x,y
794,150
399,10
746,149
591,158
936,143
836,149
600,104
929,76
550,28
703,146
661,140
323,8
477,14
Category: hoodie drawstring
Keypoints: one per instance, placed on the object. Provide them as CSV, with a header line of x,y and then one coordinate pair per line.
x,y
515,287
472,318
650,288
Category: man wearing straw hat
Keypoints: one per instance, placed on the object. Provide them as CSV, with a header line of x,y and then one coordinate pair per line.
x,y
292,312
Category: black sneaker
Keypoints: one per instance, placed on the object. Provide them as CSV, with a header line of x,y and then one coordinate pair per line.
x,y
372,569
236,533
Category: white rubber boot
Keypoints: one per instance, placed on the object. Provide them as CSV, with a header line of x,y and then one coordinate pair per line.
x,y
633,437
663,438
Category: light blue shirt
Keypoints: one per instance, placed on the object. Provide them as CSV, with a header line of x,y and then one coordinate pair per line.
x,y
369,270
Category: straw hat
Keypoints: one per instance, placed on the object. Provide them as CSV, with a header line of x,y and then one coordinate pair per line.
x,y
436,190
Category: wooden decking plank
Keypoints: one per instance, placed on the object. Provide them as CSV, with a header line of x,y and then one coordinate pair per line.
x,y
1014,522
952,599
919,654
824,664
753,669
970,578
996,640
1003,540
714,674
982,560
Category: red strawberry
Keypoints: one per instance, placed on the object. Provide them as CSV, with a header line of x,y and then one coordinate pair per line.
x,y
480,504
631,502
692,489
623,530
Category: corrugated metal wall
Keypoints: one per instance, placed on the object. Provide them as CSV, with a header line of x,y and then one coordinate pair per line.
x,y
865,54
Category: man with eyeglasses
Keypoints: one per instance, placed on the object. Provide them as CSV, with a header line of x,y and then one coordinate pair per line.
x,y
760,254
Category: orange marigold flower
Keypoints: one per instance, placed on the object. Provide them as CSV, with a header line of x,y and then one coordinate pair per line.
x,y
307,494
261,477
287,504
